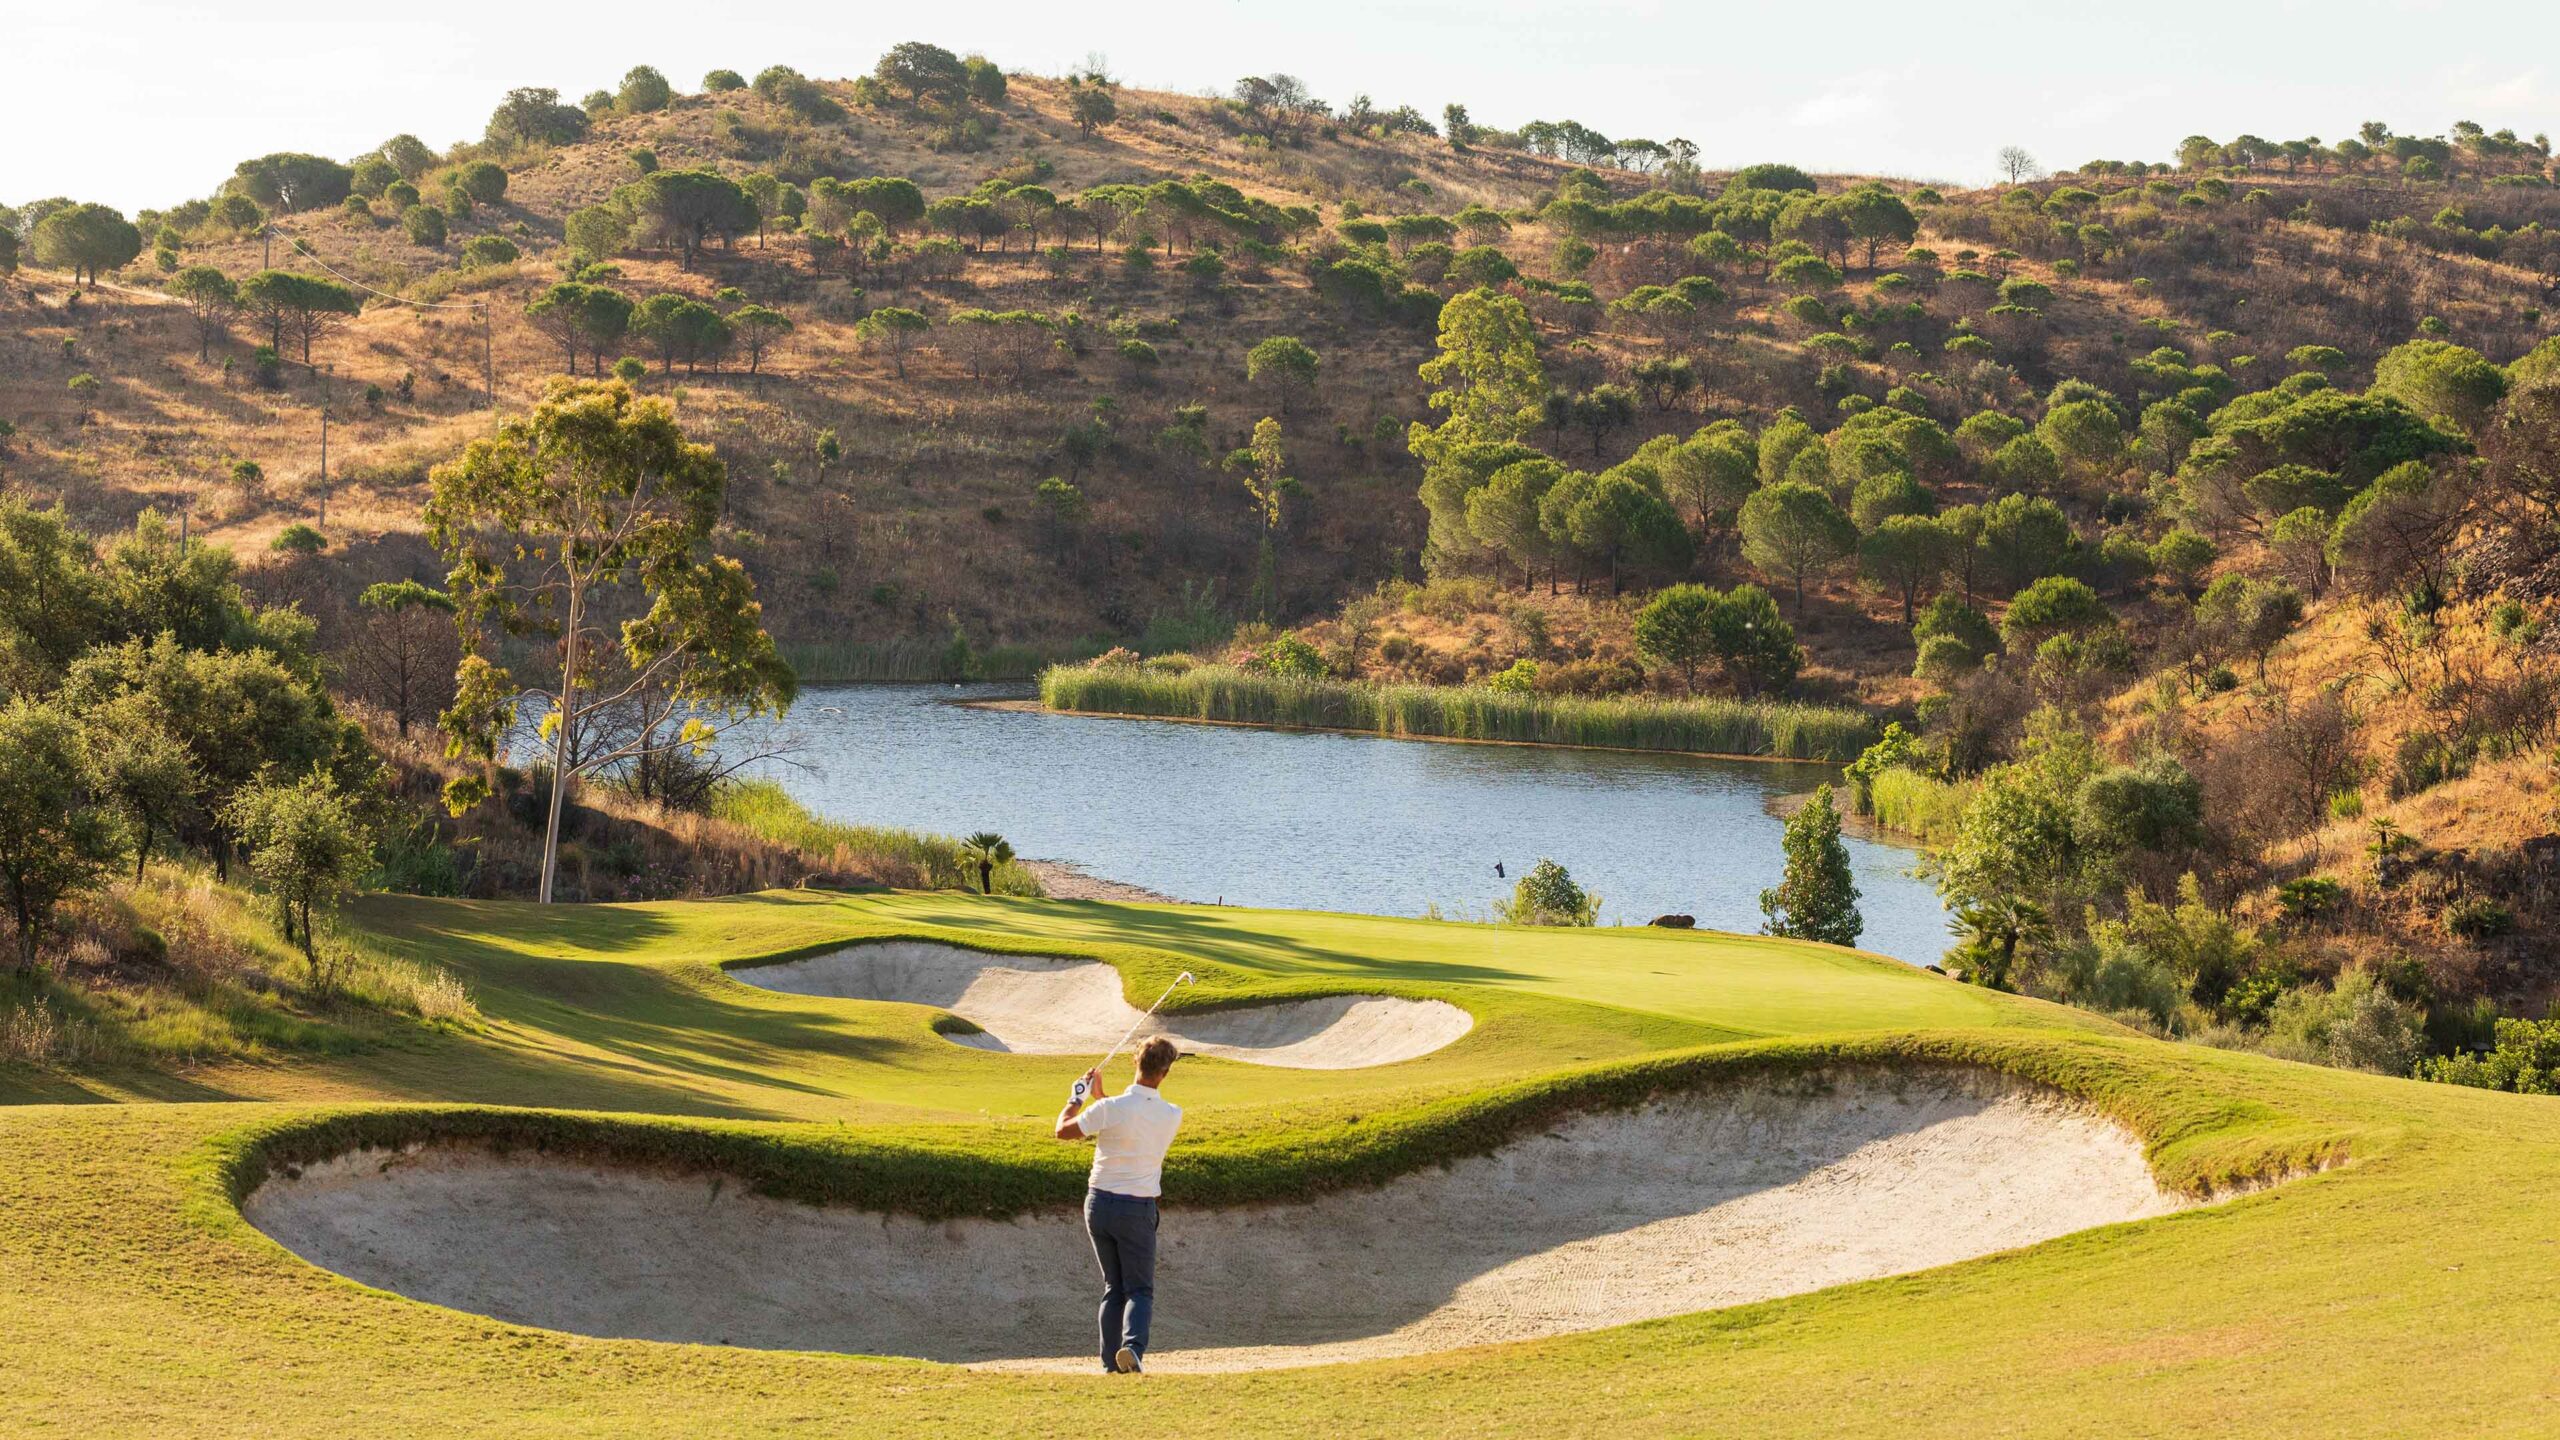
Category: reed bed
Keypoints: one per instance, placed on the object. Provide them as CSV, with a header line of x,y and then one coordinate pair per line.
x,y
1757,728
1913,804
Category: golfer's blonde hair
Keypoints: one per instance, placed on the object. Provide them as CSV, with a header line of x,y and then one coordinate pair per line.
x,y
1157,1055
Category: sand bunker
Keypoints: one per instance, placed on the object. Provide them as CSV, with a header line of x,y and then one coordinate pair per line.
x,y
1037,1006
1708,1200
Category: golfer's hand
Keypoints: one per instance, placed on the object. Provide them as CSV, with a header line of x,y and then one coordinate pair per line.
x,y
1093,1083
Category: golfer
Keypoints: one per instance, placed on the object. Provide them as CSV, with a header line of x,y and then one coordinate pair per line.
x,y
1130,1133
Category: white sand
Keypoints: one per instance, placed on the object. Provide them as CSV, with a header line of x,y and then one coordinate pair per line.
x,y
1038,1006
1690,1204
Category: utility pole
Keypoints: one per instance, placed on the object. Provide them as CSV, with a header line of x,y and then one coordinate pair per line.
x,y
488,362
326,373
267,245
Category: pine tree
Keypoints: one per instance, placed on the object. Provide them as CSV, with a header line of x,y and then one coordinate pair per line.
x,y
1817,900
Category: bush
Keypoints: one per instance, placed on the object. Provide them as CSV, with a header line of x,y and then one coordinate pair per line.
x,y
2310,897
425,226
1289,658
2525,1059
489,250
2478,917
1548,896
2356,1024
298,539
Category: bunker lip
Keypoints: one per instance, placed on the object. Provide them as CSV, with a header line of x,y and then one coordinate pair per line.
x,y
1726,1194
1043,1005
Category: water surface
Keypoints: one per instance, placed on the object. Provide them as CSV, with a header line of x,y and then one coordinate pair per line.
x,y
1330,822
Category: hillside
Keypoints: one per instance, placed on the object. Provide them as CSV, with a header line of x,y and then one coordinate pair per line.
x,y
931,518
2216,485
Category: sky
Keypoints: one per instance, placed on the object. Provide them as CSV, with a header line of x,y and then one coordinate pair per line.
x,y
151,102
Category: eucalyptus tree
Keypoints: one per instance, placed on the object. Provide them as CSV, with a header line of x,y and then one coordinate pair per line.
x,y
587,523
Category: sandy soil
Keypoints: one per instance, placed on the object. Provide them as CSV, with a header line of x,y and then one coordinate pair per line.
x,y
1705,1201
1067,880
1034,1006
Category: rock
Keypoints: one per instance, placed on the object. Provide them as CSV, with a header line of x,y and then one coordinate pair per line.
x,y
1676,922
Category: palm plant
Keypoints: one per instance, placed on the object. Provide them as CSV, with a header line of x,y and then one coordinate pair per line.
x,y
987,850
1996,928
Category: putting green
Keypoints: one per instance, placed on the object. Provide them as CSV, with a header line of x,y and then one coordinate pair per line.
x,y
2403,1290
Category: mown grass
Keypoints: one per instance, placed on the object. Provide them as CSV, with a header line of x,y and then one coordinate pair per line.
x,y
2200,1144
1913,804
767,809
145,1304
1773,729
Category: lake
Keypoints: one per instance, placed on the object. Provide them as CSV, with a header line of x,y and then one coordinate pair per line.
x,y
1309,821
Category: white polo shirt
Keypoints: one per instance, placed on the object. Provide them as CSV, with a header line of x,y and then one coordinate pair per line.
x,y
1130,1133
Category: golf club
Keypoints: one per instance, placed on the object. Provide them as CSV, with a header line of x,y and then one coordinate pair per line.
x,y
1178,981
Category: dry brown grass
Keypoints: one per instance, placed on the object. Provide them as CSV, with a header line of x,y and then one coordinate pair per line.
x,y
929,521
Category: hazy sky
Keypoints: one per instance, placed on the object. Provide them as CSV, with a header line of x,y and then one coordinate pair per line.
x,y
150,102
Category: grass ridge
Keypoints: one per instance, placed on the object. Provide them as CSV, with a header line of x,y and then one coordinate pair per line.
x,y
2200,1141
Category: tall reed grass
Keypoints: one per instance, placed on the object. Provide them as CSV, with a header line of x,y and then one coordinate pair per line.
x,y
765,808
1471,712
1913,804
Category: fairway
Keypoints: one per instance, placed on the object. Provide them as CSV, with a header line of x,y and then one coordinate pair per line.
x,y
2340,1236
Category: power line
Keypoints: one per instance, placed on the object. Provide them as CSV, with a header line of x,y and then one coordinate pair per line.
x,y
303,248
488,355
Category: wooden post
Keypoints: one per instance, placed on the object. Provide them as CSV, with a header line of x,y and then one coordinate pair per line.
x,y
326,372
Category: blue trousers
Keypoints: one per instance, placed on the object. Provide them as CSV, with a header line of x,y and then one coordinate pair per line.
x,y
1123,1228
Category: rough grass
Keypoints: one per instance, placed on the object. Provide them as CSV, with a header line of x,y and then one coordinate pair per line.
x,y
177,969
146,1305
1769,729
765,808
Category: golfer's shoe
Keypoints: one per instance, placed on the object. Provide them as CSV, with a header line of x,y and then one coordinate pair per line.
x,y
1126,1362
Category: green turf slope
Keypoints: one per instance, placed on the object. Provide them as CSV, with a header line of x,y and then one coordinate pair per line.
x,y
2408,1289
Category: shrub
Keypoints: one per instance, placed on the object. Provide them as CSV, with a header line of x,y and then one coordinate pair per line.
x,y
2525,1059
425,225
298,539
2356,1024
1548,896
2478,917
1289,658
489,250
2310,897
